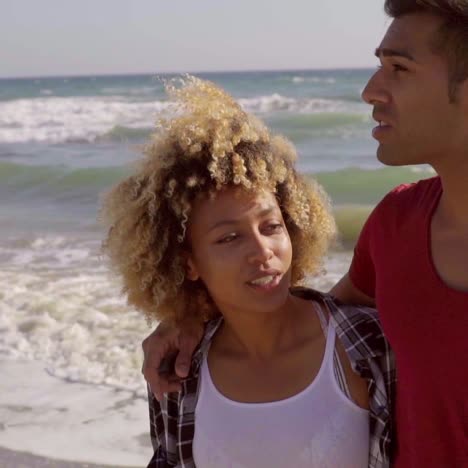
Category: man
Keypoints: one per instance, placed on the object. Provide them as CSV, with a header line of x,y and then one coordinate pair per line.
x,y
411,260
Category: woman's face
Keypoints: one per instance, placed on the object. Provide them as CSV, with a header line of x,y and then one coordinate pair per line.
x,y
241,250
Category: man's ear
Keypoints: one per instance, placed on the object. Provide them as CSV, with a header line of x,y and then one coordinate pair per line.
x,y
191,269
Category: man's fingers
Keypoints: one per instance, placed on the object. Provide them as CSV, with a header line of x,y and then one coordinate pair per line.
x,y
187,345
155,348
160,385
163,384
160,346
174,387
156,383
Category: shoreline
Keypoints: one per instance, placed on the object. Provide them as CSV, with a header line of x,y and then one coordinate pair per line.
x,y
15,459
49,422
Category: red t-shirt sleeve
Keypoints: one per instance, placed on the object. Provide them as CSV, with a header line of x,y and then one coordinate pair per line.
x,y
362,271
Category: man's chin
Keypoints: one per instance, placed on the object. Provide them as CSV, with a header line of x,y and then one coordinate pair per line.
x,y
391,157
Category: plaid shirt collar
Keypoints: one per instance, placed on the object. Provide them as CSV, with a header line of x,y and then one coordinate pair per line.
x,y
172,421
210,330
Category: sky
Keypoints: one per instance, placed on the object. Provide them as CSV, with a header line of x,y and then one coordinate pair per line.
x,y
65,37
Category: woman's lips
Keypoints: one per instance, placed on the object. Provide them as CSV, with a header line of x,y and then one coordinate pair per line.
x,y
266,282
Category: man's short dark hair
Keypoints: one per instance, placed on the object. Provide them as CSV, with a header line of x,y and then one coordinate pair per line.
x,y
452,38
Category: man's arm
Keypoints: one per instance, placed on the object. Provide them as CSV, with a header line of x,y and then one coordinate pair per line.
x,y
168,340
346,292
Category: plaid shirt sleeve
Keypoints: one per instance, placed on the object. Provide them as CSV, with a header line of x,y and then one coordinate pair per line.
x,y
161,423
172,420
372,358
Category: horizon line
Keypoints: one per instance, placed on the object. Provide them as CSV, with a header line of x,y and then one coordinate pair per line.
x,y
201,72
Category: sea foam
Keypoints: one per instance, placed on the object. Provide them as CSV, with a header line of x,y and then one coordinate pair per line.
x,y
86,119
72,119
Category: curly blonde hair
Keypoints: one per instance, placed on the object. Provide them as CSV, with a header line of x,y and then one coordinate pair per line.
x,y
211,143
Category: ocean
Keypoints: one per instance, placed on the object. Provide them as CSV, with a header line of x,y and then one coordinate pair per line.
x,y
66,140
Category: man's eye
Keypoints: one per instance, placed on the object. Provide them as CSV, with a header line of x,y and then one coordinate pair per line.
x,y
395,67
398,68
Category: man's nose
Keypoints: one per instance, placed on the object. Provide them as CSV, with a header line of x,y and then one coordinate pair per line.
x,y
376,91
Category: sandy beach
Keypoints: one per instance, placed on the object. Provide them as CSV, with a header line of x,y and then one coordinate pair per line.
x,y
12,459
83,425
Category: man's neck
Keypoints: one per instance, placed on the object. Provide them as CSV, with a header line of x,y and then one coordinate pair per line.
x,y
452,211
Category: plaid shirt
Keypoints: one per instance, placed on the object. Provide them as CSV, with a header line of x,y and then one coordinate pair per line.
x,y
172,421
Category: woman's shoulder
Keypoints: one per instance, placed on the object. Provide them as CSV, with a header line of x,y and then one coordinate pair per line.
x,y
337,309
358,327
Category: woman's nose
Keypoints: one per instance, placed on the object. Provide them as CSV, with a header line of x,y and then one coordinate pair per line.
x,y
260,251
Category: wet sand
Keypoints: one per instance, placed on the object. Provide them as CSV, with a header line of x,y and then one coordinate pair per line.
x,y
13,459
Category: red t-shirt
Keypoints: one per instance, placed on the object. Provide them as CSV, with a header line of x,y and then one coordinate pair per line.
x,y
426,323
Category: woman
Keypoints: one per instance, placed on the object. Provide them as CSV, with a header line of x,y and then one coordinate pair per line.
x,y
217,224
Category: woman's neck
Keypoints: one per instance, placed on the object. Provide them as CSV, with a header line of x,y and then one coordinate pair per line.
x,y
261,336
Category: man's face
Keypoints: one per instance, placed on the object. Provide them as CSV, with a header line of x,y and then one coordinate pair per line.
x,y
417,122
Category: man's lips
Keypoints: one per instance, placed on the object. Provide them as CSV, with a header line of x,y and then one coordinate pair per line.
x,y
382,119
383,128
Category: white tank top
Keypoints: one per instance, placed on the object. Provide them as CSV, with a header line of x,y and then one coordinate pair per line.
x,y
318,427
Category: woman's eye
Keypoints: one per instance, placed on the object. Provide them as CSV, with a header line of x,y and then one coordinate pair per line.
x,y
227,239
275,227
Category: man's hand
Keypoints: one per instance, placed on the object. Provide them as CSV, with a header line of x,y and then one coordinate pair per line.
x,y
164,342
347,293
